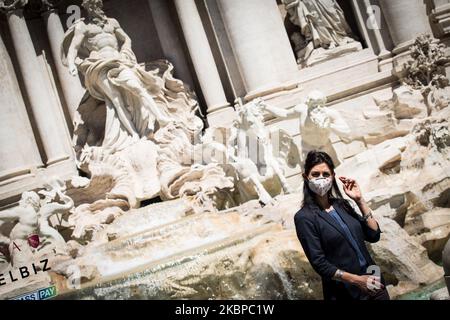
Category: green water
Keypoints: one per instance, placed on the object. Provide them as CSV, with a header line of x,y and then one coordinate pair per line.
x,y
423,293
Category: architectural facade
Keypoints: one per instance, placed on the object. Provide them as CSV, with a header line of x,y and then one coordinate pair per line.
x,y
337,75
227,51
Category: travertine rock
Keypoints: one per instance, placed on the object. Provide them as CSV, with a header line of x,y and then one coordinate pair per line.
x,y
441,294
402,258
367,167
432,230
406,103
426,70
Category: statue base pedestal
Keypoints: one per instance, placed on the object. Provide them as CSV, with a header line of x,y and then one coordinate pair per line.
x,y
320,55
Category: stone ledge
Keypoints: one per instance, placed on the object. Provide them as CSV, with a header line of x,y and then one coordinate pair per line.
x,y
11,190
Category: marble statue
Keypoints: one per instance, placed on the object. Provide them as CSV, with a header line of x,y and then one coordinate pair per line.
x,y
317,122
100,49
199,183
54,193
26,215
259,168
126,104
32,233
323,30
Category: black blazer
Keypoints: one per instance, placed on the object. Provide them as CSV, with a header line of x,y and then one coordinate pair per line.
x,y
327,248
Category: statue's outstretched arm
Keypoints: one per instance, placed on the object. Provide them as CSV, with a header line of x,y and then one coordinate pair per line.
x,y
338,125
8,215
278,112
51,209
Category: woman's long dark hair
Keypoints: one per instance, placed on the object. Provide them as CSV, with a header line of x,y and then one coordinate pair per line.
x,y
314,158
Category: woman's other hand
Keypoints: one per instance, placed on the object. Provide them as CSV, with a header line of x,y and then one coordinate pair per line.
x,y
367,283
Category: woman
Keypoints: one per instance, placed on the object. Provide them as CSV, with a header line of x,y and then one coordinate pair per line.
x,y
332,234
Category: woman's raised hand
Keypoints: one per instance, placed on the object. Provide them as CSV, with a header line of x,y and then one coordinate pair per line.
x,y
351,188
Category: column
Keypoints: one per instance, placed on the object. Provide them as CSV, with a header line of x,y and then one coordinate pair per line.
x,y
18,153
441,17
374,30
72,90
406,19
170,39
201,55
51,132
383,52
260,42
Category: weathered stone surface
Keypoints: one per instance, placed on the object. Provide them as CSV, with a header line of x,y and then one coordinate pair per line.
x,y
441,294
432,230
406,103
403,260
367,167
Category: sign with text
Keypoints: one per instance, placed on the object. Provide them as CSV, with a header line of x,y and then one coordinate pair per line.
x,y
41,294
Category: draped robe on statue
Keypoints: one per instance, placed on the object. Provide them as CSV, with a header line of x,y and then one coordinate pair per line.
x,y
321,21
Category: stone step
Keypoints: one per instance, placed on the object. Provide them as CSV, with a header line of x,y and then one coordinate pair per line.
x,y
151,216
142,237
164,240
153,275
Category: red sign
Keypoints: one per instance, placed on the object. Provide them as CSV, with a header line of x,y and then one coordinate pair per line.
x,y
33,241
